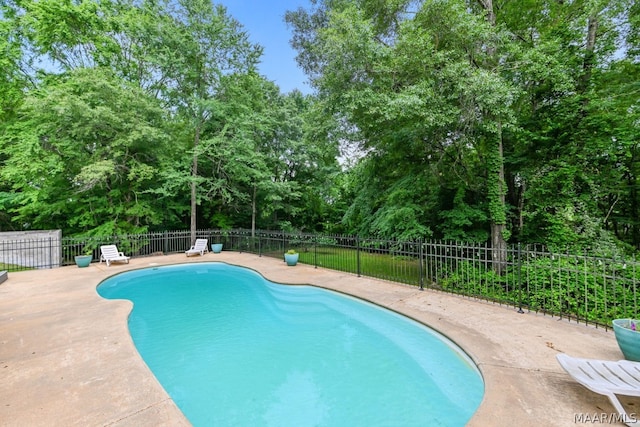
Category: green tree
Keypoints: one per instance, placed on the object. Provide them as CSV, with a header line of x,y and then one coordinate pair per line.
x,y
561,164
515,109
13,85
83,154
410,108
212,45
235,138
278,158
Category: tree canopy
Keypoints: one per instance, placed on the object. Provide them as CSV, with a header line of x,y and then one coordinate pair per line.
x,y
470,120
483,119
126,116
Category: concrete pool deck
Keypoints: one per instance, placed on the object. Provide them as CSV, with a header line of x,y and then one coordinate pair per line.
x,y
66,356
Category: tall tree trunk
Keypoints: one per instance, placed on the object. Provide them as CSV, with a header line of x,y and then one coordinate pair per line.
x,y
194,175
497,203
496,183
487,5
589,56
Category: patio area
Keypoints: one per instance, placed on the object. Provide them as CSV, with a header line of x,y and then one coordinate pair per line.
x,y
66,356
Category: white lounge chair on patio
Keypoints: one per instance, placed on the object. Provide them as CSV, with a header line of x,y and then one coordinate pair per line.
x,y
200,247
608,378
110,253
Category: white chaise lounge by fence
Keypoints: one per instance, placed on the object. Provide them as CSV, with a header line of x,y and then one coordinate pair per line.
x,y
110,253
200,247
608,378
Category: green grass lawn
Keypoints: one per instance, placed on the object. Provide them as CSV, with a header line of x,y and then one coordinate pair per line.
x,y
12,267
380,265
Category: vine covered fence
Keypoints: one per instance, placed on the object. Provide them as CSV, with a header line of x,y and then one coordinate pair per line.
x,y
581,287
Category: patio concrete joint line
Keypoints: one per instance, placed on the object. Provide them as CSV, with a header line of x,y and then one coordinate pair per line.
x,y
139,411
506,366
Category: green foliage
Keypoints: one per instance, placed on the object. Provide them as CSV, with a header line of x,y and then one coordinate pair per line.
x,y
240,144
460,222
400,217
592,289
518,112
408,108
84,154
458,125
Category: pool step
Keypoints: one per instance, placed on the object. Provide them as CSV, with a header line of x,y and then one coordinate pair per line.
x,y
3,276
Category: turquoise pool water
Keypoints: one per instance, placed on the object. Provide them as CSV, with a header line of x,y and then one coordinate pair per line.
x,y
233,349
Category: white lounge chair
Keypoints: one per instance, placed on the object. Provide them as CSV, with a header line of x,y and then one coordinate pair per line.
x,y
608,378
200,247
110,253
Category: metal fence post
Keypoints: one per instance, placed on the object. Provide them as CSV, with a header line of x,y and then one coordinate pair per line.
x,y
358,255
315,252
520,279
420,256
166,242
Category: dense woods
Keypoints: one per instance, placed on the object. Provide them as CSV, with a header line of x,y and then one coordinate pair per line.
x,y
476,120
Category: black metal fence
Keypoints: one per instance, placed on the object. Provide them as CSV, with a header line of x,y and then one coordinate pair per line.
x,y
580,287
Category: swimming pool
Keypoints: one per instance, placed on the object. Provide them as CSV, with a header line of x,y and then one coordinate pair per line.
x,y
233,349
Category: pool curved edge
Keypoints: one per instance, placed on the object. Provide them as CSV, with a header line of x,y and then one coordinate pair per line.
x,y
455,347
